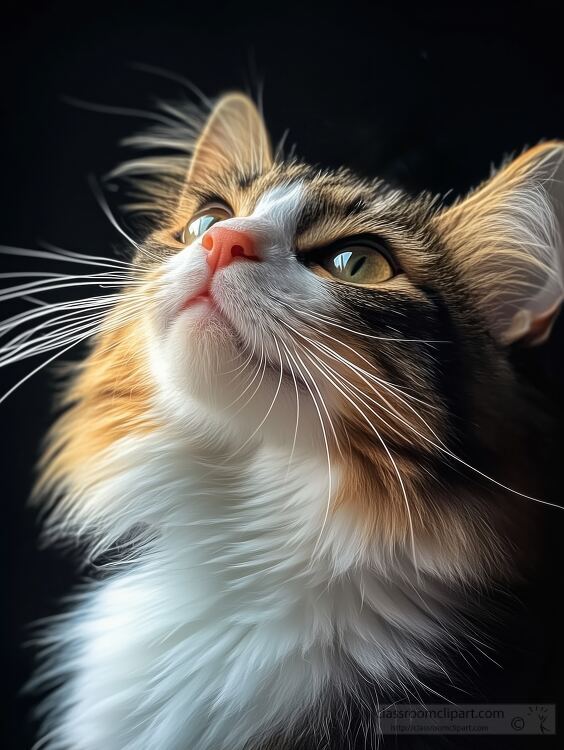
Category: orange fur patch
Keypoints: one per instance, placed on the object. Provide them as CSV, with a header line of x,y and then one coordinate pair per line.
x,y
382,484
108,400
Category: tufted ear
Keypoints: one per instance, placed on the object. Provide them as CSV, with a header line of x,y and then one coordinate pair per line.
x,y
509,239
234,137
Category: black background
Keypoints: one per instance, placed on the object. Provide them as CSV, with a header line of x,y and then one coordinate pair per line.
x,y
425,97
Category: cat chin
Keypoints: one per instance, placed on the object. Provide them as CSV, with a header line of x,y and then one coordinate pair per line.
x,y
197,350
201,366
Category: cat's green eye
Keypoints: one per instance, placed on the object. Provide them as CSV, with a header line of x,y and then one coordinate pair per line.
x,y
358,264
203,220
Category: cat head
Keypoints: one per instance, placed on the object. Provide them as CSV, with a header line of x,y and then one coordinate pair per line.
x,y
321,313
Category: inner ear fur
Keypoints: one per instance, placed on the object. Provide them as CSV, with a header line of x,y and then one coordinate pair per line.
x,y
234,137
508,239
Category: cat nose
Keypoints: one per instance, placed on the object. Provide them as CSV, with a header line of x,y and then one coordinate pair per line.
x,y
225,244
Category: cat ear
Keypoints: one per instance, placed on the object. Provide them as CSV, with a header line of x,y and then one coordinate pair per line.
x,y
234,137
509,240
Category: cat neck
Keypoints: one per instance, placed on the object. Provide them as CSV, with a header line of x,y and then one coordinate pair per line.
x,y
255,600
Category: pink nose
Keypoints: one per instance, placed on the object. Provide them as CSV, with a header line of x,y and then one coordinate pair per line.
x,y
224,245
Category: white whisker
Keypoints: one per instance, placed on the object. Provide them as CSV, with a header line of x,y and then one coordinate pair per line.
x,y
41,367
269,410
326,443
387,451
101,198
447,452
329,321
65,256
261,365
86,304
296,427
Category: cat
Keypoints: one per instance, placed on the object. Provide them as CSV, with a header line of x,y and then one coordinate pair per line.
x,y
297,447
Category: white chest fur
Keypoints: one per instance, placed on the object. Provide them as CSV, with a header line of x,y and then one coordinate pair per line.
x,y
236,617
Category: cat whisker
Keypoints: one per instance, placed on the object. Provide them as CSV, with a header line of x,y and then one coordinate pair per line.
x,y
269,410
357,354
39,287
59,322
65,323
450,454
35,300
40,367
23,346
325,440
357,392
386,450
240,369
35,275
66,256
382,384
372,376
361,373
261,368
73,321
118,263
330,321
103,203
322,400
442,448
90,329
296,428
85,305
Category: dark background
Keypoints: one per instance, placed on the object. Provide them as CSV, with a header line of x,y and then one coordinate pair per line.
x,y
424,97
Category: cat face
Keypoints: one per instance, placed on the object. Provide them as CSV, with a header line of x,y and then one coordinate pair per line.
x,y
316,311
309,301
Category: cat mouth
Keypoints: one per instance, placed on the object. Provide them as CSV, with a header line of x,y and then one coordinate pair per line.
x,y
200,297
210,307
209,304
277,369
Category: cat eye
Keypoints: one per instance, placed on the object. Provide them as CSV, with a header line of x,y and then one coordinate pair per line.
x,y
203,220
358,263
